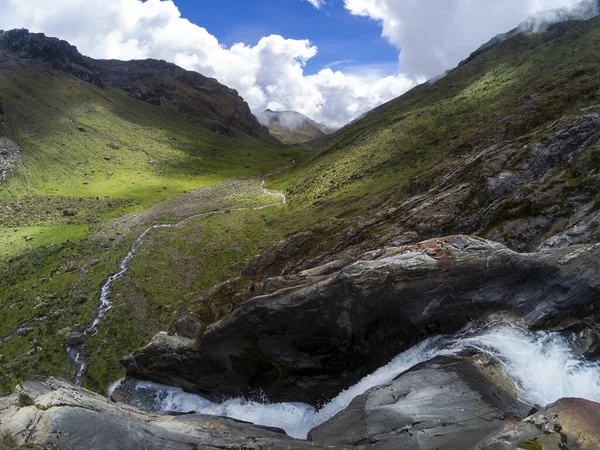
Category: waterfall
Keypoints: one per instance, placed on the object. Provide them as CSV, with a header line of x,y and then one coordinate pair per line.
x,y
542,365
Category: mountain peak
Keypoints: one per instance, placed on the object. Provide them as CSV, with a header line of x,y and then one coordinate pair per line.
x,y
292,127
37,48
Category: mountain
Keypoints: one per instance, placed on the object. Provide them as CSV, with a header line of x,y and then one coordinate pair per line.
x,y
291,127
202,100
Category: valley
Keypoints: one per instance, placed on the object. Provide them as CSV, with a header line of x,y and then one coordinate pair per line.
x,y
425,277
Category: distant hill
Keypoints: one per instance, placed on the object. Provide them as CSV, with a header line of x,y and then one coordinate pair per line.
x,y
291,127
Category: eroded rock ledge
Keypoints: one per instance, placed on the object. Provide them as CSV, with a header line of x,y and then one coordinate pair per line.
x,y
322,333
448,402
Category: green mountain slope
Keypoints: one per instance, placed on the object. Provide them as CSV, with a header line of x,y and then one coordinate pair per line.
x,y
87,133
501,93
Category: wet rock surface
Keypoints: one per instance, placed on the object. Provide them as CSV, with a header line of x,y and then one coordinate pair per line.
x,y
308,343
445,403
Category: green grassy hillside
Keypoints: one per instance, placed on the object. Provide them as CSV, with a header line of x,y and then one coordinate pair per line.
x,y
99,153
92,164
502,93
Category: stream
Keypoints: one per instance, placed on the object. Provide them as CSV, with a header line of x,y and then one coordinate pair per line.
x,y
76,354
542,365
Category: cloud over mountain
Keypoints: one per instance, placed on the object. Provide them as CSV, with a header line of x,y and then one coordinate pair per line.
x,y
434,35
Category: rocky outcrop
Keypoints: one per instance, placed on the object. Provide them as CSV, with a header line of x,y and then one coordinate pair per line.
x,y
188,93
309,342
567,424
56,414
37,48
446,403
520,195
175,361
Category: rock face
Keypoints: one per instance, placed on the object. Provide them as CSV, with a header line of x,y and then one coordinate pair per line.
x,y
47,51
567,424
309,342
202,100
188,93
75,338
446,403
522,196
56,414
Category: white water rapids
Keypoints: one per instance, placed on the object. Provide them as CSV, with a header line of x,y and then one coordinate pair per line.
x,y
542,365
76,354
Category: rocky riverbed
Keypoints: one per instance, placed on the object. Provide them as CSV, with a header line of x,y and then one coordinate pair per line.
x,y
471,390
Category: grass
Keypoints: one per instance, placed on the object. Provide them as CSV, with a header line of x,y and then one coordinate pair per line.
x,y
14,241
24,399
174,265
7,440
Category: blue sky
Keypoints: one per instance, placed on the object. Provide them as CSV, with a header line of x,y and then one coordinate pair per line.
x,y
340,36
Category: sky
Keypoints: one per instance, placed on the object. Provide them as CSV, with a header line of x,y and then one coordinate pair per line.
x,y
331,60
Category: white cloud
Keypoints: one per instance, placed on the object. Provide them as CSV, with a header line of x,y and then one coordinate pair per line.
x,y
269,74
435,35
316,3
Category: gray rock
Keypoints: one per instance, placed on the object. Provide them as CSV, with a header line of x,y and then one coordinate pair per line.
x,y
515,194
307,343
566,424
588,343
157,361
446,403
75,338
79,299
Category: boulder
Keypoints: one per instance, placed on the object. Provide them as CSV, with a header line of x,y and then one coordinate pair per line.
x,y
567,424
75,338
446,403
60,415
309,342
175,361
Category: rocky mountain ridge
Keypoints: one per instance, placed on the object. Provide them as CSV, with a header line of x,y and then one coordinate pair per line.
x,y
201,99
